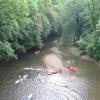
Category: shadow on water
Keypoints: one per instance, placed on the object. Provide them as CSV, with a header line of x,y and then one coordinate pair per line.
x,y
27,79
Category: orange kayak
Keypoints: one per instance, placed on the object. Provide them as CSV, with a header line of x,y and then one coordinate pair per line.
x,y
54,72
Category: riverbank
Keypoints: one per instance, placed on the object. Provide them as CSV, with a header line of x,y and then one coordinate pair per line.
x,y
32,50
74,50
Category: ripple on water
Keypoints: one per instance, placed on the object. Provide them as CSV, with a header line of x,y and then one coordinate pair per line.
x,y
47,87
55,87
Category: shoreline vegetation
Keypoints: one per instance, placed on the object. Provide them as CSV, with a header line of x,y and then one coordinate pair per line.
x,y
26,24
74,50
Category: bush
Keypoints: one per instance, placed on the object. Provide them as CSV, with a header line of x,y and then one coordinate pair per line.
x,y
6,52
91,45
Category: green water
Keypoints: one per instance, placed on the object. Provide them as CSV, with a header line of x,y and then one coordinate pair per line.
x,y
82,85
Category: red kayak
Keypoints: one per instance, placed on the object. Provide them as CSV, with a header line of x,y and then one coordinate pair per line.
x,y
37,52
54,72
70,68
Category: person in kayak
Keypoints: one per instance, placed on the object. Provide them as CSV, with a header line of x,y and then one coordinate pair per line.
x,y
37,52
55,65
54,72
70,68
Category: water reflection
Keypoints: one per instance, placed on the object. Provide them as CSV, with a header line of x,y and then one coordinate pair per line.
x,y
37,85
20,79
57,87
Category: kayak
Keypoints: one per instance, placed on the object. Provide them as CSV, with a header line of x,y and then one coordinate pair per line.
x,y
54,72
37,52
70,68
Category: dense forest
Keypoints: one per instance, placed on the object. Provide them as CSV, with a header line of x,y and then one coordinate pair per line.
x,y
26,24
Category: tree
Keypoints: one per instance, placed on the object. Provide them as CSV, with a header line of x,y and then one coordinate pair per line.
x,y
24,24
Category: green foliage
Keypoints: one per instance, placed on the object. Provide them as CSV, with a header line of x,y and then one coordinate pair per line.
x,y
24,24
47,27
91,42
91,45
18,47
6,52
71,18
80,18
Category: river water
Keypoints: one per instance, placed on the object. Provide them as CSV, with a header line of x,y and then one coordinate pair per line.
x,y
27,79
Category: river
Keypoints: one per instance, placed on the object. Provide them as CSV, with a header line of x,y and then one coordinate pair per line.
x,y
27,77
